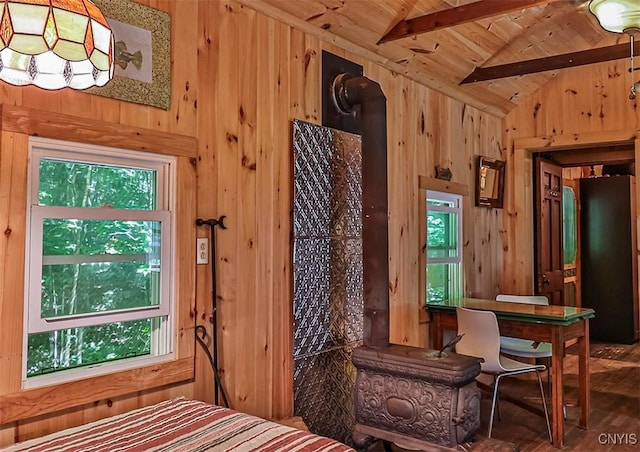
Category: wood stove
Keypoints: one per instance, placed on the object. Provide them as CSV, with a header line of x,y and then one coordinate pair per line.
x,y
413,396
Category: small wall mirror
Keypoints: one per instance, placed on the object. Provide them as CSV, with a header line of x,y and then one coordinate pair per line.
x,y
489,182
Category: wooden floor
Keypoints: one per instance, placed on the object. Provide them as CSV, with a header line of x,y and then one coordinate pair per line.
x,y
615,408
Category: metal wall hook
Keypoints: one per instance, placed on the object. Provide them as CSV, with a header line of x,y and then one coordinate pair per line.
x,y
212,222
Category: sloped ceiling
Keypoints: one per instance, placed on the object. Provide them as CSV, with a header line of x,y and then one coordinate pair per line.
x,y
442,58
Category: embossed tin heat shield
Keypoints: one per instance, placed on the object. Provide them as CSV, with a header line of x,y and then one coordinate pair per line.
x,y
327,276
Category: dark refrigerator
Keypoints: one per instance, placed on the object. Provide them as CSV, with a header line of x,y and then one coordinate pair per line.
x,y
609,257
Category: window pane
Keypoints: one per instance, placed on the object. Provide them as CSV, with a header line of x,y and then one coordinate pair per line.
x,y
569,227
76,347
99,265
444,248
443,281
442,234
437,282
76,184
440,203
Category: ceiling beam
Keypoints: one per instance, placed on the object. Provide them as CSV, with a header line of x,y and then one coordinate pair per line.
x,y
592,56
455,16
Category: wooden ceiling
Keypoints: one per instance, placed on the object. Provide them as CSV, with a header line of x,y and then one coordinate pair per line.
x,y
462,48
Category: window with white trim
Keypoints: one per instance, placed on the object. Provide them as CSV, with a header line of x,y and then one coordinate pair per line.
x,y
100,255
444,246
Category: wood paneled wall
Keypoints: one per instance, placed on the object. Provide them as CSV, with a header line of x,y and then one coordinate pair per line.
x,y
583,107
238,79
245,166
181,120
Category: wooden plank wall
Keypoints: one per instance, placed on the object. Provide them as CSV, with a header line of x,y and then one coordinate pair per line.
x,y
277,80
180,119
239,78
581,107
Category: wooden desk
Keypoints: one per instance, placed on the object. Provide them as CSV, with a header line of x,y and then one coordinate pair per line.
x,y
554,324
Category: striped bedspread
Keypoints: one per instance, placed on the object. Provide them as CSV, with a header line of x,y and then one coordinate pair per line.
x,y
181,425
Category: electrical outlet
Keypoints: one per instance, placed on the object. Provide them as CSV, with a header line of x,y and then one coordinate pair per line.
x,y
202,250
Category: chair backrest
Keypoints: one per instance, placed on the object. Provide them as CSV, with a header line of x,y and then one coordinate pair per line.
x,y
481,337
531,299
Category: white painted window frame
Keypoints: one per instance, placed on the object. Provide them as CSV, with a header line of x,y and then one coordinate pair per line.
x,y
162,315
455,270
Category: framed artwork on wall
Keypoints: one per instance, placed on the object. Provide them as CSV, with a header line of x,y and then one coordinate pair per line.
x,y
142,54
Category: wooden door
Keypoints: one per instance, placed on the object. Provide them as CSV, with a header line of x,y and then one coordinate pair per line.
x,y
549,254
571,242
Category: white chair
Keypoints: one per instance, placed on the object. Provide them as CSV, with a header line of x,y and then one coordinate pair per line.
x,y
481,338
524,348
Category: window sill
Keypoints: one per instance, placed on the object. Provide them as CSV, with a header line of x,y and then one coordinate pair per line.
x,y
35,402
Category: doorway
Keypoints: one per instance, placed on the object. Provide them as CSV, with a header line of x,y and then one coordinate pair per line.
x,y
577,229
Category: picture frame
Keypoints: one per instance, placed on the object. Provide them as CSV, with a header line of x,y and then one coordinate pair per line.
x,y
490,182
142,54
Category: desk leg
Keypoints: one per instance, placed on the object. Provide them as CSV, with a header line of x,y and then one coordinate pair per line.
x,y
583,376
557,425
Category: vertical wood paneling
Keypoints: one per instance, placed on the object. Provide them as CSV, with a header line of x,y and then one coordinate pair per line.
x,y
424,148
183,116
287,65
582,106
181,119
251,365
238,80
13,202
273,205
185,257
482,138
297,59
226,152
281,157
265,196
312,67
408,250
402,177
207,164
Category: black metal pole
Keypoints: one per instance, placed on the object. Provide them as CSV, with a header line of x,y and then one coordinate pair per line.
x,y
212,223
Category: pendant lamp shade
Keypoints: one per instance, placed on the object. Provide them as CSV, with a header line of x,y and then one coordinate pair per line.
x,y
620,16
617,16
55,44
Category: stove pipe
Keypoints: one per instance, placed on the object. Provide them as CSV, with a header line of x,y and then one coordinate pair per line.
x,y
348,92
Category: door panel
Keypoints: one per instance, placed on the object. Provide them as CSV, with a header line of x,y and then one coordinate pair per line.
x,y
549,254
609,257
571,242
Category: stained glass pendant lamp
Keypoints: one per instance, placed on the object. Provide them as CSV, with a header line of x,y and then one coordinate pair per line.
x,y
620,16
55,44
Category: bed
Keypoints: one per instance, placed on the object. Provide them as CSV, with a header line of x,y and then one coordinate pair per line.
x,y
181,424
